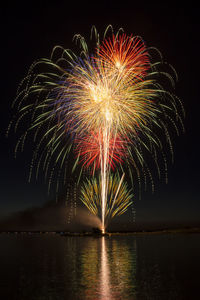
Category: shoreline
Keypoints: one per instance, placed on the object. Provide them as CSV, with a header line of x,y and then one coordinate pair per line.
x,y
109,234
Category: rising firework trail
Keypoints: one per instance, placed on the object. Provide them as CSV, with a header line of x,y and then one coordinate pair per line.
x,y
107,107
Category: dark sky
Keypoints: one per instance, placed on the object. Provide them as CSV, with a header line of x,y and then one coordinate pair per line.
x,y
29,31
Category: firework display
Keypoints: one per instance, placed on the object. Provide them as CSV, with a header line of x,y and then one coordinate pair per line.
x,y
118,195
105,107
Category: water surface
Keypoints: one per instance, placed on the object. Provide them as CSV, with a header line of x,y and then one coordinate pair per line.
x,y
52,267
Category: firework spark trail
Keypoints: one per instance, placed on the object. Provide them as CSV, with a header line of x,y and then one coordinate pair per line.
x,y
108,107
104,171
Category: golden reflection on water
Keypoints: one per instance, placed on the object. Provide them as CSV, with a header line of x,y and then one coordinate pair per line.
x,y
104,275
108,269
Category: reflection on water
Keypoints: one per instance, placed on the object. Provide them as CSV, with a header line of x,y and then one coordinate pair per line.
x,y
127,267
109,267
105,284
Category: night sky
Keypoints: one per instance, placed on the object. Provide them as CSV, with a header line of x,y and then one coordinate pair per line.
x,y
29,31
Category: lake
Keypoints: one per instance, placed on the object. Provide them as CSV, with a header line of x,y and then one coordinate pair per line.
x,y
49,266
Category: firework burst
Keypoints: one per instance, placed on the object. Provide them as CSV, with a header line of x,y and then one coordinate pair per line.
x,y
89,149
119,196
109,108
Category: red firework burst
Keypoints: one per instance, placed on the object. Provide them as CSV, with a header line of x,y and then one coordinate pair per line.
x,y
90,149
126,53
